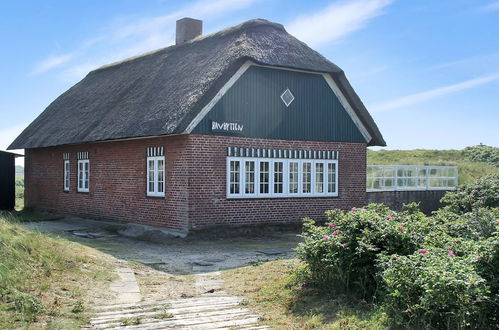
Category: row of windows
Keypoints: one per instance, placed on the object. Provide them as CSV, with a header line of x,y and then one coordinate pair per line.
x,y
246,177
155,176
263,177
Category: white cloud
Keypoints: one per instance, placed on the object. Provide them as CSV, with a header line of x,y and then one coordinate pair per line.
x,y
336,21
432,94
493,6
51,63
128,38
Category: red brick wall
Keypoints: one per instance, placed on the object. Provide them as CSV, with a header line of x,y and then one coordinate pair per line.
x,y
195,182
117,182
209,206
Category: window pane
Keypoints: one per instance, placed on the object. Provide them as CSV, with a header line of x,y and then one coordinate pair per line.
x,y
293,177
150,171
307,178
319,177
161,175
331,178
264,177
249,177
234,177
278,177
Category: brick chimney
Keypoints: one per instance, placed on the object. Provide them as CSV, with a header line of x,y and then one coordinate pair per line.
x,y
188,29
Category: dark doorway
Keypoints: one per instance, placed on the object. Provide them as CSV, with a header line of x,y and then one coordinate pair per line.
x,y
7,180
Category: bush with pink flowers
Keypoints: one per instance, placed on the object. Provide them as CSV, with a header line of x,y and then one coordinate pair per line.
x,y
427,272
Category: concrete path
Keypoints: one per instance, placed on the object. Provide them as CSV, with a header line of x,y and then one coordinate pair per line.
x,y
213,309
126,286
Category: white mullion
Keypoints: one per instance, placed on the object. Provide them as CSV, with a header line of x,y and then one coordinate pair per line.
x,y
312,178
241,176
272,176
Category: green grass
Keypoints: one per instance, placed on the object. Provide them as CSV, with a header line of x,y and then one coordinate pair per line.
x,y
468,170
45,281
272,290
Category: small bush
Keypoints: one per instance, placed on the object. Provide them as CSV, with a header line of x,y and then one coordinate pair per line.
x,y
482,153
484,192
342,255
27,306
431,272
433,289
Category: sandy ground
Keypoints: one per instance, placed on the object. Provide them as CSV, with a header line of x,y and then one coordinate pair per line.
x,y
166,268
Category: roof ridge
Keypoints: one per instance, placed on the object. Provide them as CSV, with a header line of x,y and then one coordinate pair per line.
x,y
252,23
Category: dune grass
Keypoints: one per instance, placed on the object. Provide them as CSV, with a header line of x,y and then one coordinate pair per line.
x,y
468,170
274,291
45,282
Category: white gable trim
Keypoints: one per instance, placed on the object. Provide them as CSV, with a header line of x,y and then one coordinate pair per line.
x,y
336,90
217,97
331,83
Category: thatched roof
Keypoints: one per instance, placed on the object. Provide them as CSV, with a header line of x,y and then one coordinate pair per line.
x,y
159,93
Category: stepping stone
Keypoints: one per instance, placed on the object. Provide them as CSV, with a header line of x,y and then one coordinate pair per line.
x,y
150,261
202,263
272,252
82,234
214,260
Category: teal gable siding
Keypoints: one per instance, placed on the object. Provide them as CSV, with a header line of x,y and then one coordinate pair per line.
x,y
254,102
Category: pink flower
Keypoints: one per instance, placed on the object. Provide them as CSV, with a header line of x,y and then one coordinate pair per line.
x,y
354,208
451,253
401,227
423,252
325,237
389,217
344,244
336,232
332,225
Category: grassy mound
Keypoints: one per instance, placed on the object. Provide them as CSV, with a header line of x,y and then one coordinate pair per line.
x,y
469,170
44,281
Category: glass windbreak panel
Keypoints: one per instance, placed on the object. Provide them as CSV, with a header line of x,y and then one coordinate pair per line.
x,y
331,178
278,177
249,177
234,177
388,183
319,178
293,177
389,172
264,177
307,178
161,175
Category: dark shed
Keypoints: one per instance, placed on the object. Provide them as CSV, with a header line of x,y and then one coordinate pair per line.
x,y
7,180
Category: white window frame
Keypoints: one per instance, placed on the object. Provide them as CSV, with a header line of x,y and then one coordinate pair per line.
x,y
155,192
82,178
286,167
67,173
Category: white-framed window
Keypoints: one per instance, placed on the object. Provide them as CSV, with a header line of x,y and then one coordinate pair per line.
x,y
253,177
66,175
83,175
156,176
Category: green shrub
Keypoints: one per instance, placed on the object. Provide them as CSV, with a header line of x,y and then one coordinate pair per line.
x,y
483,192
27,306
342,255
482,153
434,288
433,272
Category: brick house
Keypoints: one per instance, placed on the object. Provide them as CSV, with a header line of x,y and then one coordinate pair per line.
x,y
247,125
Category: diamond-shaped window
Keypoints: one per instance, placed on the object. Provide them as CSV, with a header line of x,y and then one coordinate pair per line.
x,y
287,97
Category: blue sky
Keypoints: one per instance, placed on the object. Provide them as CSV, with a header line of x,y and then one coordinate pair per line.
x,y
427,70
